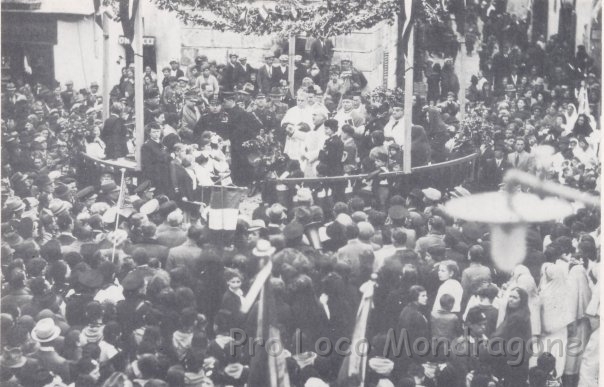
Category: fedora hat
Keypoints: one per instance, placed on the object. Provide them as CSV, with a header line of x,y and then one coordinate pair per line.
x,y
263,248
14,204
58,207
45,331
149,207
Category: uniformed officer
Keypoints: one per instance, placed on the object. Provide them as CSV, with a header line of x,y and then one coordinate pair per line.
x,y
263,113
215,120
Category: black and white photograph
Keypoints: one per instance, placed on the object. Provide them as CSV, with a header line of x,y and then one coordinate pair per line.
x,y
300,193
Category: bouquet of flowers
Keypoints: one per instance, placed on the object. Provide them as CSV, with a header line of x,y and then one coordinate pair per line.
x,y
264,152
473,132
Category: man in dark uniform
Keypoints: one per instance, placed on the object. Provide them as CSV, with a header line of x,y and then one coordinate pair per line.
x,y
215,120
155,160
331,159
244,128
263,113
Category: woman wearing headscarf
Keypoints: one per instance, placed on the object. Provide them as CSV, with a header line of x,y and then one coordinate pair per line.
x,y
437,134
579,294
522,278
511,339
420,147
582,126
555,314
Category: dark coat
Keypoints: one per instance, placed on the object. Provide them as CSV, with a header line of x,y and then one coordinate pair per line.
x,y
155,162
491,175
182,184
188,255
264,81
330,157
280,75
115,136
321,52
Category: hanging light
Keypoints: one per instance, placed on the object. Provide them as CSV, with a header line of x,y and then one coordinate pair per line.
x,y
508,215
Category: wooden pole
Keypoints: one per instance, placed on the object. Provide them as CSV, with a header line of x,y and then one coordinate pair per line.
x,y
292,64
407,118
139,130
106,61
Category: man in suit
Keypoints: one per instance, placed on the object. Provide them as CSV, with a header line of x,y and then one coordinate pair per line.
x,y
281,72
182,184
175,70
172,234
115,134
230,72
265,74
493,169
331,158
321,52
187,254
244,71
155,160
520,158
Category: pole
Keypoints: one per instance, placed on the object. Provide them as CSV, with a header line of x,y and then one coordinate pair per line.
x,y
292,63
106,61
462,86
139,137
120,202
408,106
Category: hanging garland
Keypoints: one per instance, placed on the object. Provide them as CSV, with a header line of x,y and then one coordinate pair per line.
x,y
327,18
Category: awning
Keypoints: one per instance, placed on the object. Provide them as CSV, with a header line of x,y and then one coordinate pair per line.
x,y
65,7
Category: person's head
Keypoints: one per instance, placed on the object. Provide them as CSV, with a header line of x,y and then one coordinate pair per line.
x,y
301,99
418,294
517,299
476,322
519,145
476,254
269,59
347,132
155,132
318,118
397,111
207,89
487,293
447,270
446,302
399,237
180,151
331,127
347,104
233,279
175,218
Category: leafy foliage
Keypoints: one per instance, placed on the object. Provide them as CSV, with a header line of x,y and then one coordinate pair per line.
x,y
327,18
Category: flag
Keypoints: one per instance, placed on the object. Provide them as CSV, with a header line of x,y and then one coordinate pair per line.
x,y
224,207
408,19
122,196
268,367
355,364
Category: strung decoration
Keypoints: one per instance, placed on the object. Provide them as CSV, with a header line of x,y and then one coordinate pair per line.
x,y
294,18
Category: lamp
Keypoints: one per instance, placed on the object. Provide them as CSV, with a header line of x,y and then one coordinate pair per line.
x,y
508,215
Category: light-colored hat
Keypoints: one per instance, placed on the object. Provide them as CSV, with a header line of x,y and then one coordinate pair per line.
x,y
149,207
58,207
256,224
432,194
284,57
45,331
263,248
14,204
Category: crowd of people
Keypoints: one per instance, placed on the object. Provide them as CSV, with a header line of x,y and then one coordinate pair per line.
x,y
102,287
